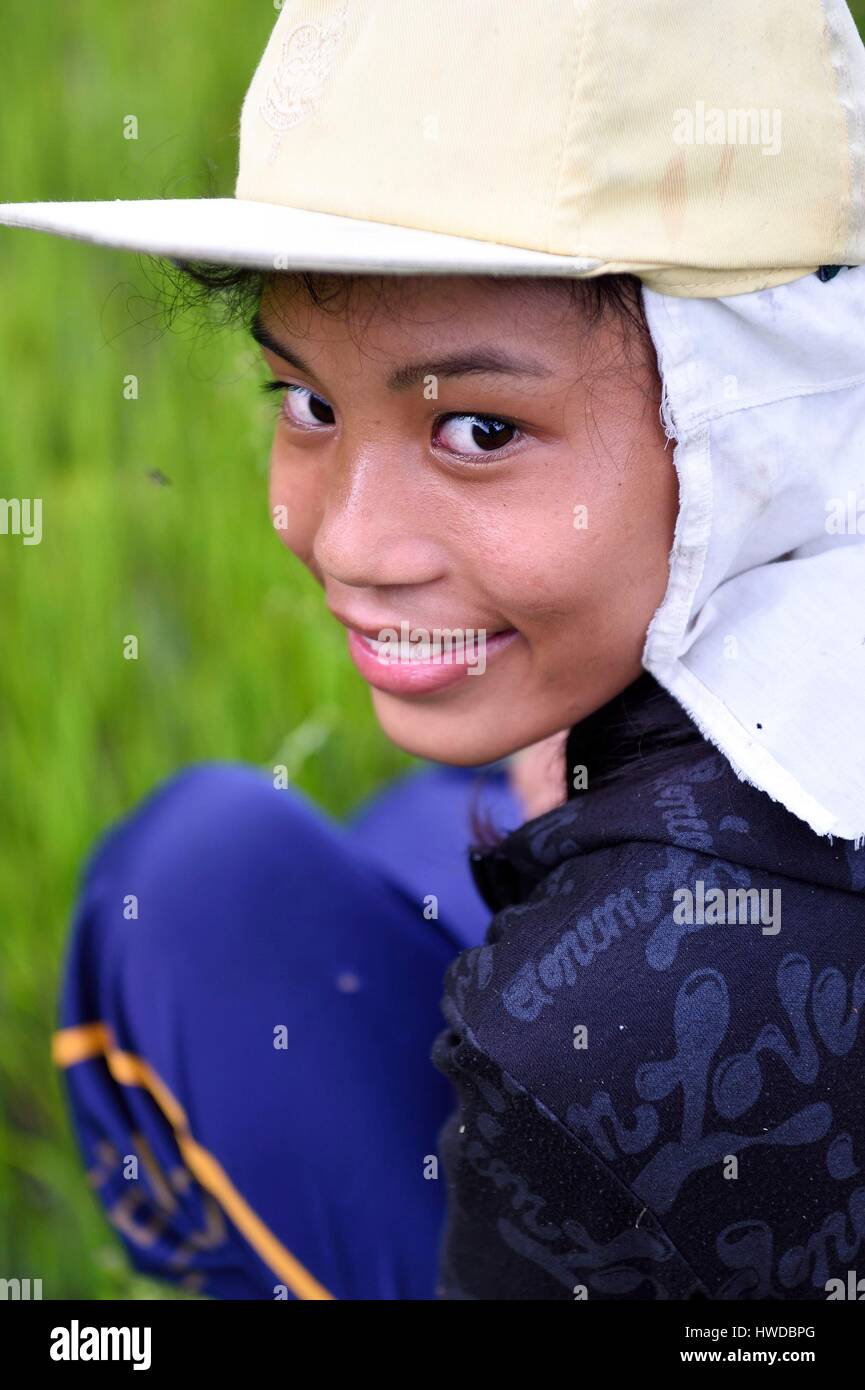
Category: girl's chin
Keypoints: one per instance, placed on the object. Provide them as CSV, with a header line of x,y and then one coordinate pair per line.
x,y
458,734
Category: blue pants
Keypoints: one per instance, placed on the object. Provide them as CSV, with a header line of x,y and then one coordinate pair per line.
x,y
249,1003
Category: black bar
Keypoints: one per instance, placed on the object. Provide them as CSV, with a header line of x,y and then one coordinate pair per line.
x,y
610,1336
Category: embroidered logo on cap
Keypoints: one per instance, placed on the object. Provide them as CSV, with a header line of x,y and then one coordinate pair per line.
x,y
296,87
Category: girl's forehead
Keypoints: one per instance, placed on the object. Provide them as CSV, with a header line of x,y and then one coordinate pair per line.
x,y
401,294
403,313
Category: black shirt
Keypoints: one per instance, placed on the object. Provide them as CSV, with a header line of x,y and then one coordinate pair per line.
x,y
658,1051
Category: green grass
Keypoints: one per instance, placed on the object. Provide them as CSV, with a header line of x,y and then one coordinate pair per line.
x,y
237,659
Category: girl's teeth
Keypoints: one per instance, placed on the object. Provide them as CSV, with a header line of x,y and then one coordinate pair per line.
x,y
435,650
405,651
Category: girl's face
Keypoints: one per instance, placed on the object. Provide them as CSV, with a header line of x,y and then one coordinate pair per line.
x,y
482,474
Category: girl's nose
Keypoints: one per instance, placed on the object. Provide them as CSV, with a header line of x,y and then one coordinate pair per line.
x,y
377,528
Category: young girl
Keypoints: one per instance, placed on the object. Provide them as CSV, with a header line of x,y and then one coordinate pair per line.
x,y
571,427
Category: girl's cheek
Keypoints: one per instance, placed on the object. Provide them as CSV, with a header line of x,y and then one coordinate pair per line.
x,y
295,508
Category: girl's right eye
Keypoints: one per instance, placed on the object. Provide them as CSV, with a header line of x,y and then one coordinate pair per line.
x,y
301,406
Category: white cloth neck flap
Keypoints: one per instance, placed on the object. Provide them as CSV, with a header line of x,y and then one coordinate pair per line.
x,y
761,633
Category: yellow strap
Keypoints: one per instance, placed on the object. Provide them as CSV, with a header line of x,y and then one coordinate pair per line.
x,y
89,1040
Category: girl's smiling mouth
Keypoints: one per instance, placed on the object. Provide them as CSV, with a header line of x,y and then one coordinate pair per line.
x,y
408,660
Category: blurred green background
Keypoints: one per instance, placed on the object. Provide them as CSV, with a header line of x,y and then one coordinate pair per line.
x,y
238,658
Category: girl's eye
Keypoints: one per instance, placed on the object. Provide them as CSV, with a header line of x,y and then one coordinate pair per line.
x,y
469,435
474,435
301,406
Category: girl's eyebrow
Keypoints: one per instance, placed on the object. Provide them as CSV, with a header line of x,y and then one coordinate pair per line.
x,y
476,361
265,339
479,361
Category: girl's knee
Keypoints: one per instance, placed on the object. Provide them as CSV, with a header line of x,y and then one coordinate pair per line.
x,y
205,850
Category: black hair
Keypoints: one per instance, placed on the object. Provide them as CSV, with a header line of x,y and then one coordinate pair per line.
x,y
232,294
642,728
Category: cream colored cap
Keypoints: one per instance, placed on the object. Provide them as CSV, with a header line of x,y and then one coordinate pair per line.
x,y
711,149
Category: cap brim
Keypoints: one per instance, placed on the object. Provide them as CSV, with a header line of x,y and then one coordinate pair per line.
x,y
267,236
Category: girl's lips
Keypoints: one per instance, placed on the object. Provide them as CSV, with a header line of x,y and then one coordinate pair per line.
x,y
426,670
